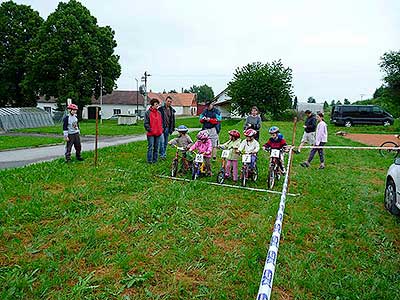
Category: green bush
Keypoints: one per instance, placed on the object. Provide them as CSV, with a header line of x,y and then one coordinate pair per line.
x,y
286,115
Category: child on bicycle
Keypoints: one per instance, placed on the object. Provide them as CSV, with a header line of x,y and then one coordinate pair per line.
x,y
250,146
232,160
183,140
204,146
276,141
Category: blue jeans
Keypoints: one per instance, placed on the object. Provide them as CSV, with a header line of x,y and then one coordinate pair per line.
x,y
152,148
164,143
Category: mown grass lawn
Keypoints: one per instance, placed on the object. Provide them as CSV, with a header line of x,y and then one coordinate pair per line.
x,y
120,232
12,142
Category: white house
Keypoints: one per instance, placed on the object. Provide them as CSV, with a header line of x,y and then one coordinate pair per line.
x,y
128,103
224,104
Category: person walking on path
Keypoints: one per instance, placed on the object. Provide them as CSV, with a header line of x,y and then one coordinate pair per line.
x,y
211,120
168,117
320,140
253,121
309,131
154,126
71,133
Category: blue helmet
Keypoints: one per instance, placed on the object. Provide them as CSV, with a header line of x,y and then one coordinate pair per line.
x,y
182,128
273,129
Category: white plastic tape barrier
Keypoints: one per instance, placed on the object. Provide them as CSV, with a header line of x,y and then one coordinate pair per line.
x,y
264,291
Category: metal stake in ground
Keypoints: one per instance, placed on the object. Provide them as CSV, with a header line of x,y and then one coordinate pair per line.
x,y
97,136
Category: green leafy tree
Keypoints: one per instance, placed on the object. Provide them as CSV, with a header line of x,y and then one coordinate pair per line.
x,y
204,92
338,103
390,95
346,101
379,92
172,92
19,24
311,100
267,86
73,56
333,103
326,106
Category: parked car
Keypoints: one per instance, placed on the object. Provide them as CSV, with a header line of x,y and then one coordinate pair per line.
x,y
392,190
349,115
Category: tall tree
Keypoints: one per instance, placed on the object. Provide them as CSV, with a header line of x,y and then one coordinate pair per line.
x,y
268,86
390,64
204,92
333,103
346,101
326,106
19,24
311,100
74,55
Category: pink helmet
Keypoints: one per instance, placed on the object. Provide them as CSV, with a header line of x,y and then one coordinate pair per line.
x,y
234,133
250,132
72,106
202,135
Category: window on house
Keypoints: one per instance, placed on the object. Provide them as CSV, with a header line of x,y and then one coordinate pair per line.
x,y
47,109
117,111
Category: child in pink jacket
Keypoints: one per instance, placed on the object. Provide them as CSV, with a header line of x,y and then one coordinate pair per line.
x,y
204,146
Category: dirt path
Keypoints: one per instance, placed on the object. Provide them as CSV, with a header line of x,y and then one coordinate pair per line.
x,y
372,139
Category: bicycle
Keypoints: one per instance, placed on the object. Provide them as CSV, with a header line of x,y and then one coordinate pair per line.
x,y
198,166
180,156
248,172
274,169
393,153
221,174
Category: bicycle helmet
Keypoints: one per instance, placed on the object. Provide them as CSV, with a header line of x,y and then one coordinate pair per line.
x,y
250,132
182,128
202,135
273,129
235,133
72,106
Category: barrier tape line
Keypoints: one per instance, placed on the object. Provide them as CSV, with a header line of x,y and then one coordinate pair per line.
x,y
265,289
228,185
352,148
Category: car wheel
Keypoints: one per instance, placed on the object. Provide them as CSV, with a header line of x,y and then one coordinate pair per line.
x,y
390,198
348,123
386,123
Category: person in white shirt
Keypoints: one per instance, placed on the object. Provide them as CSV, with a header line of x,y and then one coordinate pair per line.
x,y
250,146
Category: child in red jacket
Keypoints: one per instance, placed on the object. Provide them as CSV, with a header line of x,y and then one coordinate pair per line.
x,y
276,141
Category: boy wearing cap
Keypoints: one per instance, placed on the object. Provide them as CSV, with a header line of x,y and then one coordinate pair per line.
x,y
71,133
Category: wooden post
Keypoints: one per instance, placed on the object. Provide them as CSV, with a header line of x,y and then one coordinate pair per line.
x,y
97,136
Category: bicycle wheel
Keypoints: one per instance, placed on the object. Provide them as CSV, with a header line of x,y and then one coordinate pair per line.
x,y
221,176
254,174
243,176
271,176
195,172
174,168
389,153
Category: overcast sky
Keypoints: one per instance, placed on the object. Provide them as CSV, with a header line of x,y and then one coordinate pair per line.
x,y
333,47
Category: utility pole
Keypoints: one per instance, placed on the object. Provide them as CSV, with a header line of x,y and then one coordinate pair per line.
x,y
361,96
137,97
101,99
144,78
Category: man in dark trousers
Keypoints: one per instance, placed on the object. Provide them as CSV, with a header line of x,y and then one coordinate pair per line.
x,y
168,118
310,126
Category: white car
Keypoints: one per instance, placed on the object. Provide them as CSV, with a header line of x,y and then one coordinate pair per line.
x,y
392,191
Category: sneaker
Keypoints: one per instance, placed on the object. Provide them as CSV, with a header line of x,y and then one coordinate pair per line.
x,y
305,164
322,166
80,159
67,161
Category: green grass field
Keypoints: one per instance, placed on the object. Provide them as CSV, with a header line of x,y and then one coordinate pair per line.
x,y
120,232
12,142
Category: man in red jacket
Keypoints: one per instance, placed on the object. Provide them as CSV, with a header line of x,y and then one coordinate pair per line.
x,y
153,124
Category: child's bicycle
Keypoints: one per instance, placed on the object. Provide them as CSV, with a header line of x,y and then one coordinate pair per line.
x,y
179,156
221,174
393,153
274,170
198,166
247,172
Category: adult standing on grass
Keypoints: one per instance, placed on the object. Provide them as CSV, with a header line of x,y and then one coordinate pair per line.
x,y
71,133
310,126
253,121
168,117
211,120
154,126
320,140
